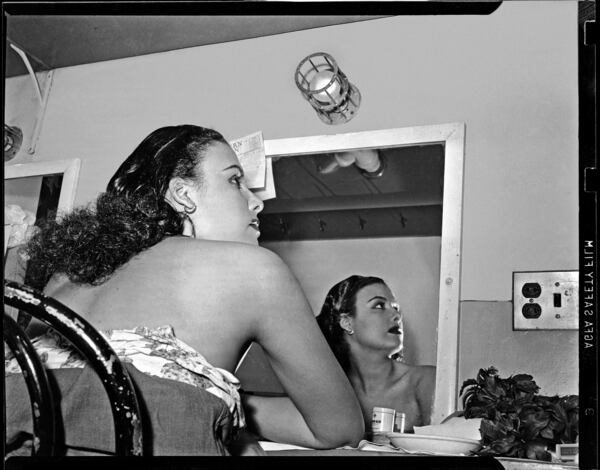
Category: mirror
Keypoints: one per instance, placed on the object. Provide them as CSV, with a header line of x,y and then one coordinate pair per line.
x,y
41,188
403,224
32,192
318,199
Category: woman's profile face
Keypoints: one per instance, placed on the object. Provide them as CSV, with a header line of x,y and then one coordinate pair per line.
x,y
226,209
377,318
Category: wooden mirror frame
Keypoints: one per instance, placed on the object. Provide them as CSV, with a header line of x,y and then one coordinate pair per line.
x,y
452,136
68,168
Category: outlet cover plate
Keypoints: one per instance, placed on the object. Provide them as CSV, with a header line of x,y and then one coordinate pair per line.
x,y
546,300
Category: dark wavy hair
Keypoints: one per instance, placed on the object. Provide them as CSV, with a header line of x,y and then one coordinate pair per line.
x,y
89,244
341,299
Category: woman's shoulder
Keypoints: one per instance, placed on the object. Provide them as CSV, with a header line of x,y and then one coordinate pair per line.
x,y
416,375
425,370
425,375
197,259
209,250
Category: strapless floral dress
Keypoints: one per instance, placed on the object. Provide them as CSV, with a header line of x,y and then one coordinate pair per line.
x,y
156,352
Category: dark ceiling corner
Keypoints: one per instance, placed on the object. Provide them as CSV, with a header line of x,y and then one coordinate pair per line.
x,y
54,41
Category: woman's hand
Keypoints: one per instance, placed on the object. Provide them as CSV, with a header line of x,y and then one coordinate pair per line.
x,y
245,444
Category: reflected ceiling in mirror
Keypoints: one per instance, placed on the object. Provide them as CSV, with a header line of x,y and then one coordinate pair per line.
x,y
405,201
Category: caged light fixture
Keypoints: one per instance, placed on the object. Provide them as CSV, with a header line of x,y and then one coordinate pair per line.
x,y
327,89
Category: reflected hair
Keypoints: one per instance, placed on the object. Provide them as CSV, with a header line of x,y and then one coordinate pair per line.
x,y
89,244
340,300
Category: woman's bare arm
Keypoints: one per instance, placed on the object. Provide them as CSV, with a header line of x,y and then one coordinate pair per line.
x,y
233,294
289,426
322,410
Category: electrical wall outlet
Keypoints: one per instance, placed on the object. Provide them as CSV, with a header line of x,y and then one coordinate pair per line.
x,y
547,300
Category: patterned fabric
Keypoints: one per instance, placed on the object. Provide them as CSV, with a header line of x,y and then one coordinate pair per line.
x,y
156,352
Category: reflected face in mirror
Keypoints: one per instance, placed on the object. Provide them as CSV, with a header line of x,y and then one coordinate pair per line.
x,y
377,320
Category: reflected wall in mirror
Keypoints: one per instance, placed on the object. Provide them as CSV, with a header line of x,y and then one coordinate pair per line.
x,y
402,224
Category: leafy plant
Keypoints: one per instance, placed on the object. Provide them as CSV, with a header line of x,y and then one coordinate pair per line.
x,y
516,421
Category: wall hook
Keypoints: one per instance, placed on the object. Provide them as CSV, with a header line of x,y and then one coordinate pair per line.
x,y
283,226
322,225
362,222
403,220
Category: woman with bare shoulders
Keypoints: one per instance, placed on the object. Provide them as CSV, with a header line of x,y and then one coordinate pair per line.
x,y
362,323
171,249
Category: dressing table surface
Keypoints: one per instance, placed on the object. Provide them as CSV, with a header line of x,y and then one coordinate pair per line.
x,y
525,464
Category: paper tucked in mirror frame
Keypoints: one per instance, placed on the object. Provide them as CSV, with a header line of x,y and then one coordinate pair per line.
x,y
268,192
258,169
250,150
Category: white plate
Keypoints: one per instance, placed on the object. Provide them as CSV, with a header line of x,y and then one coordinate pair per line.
x,y
443,445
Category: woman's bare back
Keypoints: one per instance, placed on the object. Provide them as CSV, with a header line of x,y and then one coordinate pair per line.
x,y
192,285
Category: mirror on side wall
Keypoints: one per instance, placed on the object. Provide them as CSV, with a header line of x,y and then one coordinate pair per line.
x,y
401,221
32,193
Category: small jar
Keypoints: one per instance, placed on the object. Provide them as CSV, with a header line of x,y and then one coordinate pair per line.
x,y
399,422
382,422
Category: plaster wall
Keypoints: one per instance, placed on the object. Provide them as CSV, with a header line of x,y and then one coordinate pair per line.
x,y
487,339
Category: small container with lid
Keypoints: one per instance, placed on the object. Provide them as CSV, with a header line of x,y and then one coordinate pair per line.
x,y
382,422
399,422
383,419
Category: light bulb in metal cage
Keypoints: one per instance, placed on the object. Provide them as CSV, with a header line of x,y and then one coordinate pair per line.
x,y
327,89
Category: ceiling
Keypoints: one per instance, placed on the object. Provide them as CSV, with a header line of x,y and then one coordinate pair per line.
x,y
406,200
53,41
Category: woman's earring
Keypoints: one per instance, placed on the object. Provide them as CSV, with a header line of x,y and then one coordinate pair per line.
x,y
190,210
350,331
